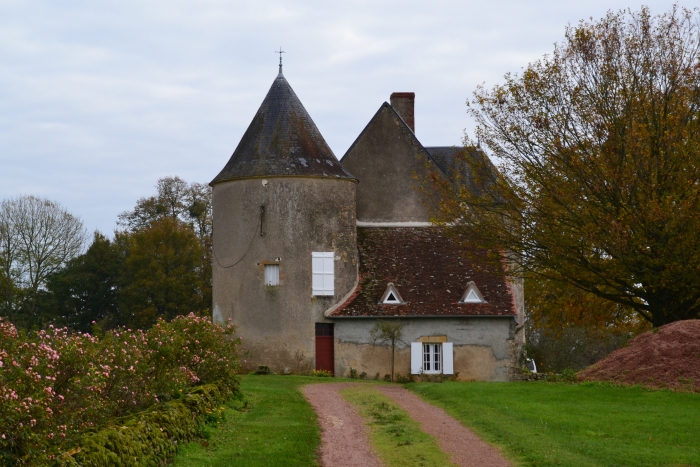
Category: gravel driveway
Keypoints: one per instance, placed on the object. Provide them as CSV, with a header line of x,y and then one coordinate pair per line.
x,y
465,448
344,440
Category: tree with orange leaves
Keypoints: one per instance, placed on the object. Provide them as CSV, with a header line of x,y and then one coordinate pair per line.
x,y
599,150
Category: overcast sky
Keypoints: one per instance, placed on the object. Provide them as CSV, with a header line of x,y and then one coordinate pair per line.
x,y
99,99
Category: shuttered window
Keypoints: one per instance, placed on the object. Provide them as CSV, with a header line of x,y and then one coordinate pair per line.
x,y
272,274
432,358
323,280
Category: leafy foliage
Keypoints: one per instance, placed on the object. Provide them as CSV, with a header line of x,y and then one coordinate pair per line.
x,y
568,328
191,205
150,437
160,277
56,385
599,182
87,289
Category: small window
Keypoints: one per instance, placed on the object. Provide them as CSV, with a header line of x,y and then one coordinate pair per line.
x,y
472,294
322,281
391,296
272,274
324,329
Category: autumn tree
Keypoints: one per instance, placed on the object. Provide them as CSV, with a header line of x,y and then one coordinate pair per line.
x,y
599,155
191,204
569,328
160,276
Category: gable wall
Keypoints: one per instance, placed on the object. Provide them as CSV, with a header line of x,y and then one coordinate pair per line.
x,y
385,158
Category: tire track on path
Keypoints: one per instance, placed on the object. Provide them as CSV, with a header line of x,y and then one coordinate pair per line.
x,y
466,448
344,440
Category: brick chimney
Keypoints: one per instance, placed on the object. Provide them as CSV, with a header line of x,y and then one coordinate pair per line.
x,y
403,103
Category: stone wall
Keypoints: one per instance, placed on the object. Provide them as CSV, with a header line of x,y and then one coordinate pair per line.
x,y
484,348
300,216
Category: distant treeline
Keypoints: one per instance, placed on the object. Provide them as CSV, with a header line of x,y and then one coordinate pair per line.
x,y
157,265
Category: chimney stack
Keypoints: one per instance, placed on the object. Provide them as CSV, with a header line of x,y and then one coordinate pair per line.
x,y
403,103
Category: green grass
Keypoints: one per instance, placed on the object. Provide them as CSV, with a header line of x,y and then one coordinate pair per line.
x,y
589,424
273,425
397,439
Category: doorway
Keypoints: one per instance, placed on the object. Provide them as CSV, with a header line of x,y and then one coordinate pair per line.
x,y
324,347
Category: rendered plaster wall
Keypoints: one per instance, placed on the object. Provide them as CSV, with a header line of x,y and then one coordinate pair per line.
x,y
483,347
385,158
301,216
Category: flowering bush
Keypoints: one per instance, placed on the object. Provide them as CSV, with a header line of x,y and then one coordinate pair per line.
x,y
56,385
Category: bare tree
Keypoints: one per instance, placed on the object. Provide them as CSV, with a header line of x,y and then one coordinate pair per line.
x,y
37,238
387,331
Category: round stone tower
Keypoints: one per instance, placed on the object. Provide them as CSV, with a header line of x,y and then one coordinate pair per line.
x,y
284,244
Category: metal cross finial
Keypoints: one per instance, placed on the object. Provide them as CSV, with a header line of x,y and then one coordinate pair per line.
x,y
280,52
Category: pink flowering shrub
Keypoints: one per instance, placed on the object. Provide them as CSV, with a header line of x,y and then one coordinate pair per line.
x,y
55,385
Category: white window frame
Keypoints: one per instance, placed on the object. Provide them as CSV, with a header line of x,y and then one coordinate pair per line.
x,y
432,358
323,273
272,275
446,358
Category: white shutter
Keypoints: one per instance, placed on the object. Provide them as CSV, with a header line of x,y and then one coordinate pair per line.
x,y
323,279
447,359
416,358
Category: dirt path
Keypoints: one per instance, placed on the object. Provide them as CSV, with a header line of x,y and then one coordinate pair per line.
x,y
344,441
466,449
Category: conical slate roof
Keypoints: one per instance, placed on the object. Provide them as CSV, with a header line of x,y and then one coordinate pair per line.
x,y
282,140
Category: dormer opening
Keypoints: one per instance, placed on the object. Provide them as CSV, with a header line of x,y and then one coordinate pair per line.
x,y
472,294
391,296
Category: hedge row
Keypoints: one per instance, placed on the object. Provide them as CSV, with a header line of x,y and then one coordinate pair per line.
x,y
149,438
57,386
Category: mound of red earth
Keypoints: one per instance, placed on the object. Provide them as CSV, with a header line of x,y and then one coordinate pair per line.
x,y
668,357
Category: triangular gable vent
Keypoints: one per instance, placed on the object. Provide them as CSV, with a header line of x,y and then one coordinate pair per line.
x,y
391,296
472,294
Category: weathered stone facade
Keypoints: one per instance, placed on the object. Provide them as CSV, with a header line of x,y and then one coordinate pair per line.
x,y
301,215
283,196
482,346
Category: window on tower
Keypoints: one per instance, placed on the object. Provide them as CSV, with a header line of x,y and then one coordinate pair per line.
x,y
272,275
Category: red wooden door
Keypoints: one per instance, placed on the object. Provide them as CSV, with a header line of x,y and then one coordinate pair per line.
x,y
324,347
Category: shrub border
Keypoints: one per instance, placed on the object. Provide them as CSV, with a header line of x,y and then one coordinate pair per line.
x,y
148,438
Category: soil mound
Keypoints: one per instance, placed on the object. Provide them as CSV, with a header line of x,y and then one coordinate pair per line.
x,y
667,358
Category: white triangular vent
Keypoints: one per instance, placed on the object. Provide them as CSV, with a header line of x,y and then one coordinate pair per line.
x,y
391,296
472,294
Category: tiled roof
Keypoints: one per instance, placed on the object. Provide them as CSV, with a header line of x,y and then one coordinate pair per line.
x,y
429,270
282,140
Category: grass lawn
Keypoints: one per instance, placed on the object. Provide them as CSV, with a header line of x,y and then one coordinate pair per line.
x,y
272,426
590,424
398,439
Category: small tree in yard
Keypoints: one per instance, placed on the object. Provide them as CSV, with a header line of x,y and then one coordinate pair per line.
x,y
387,331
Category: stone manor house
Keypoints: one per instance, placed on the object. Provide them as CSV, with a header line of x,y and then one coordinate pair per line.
x,y
310,251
